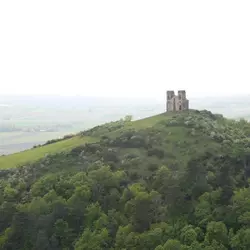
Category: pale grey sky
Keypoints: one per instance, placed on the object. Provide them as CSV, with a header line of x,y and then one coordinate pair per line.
x,y
136,47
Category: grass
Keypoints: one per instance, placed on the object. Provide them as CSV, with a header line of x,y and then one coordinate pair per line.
x,y
141,124
32,155
150,121
153,120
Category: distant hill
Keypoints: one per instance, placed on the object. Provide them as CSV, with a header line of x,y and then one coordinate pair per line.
x,y
170,181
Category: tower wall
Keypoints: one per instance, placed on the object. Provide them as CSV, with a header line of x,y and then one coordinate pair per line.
x,y
170,104
170,94
182,94
177,102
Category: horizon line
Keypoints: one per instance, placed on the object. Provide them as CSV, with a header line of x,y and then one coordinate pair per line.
x,y
196,96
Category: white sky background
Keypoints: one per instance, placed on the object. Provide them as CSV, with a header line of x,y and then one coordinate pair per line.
x,y
123,48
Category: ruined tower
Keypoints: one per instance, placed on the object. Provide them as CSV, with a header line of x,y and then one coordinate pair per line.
x,y
177,102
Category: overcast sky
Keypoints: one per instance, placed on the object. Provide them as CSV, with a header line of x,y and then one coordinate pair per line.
x,y
122,48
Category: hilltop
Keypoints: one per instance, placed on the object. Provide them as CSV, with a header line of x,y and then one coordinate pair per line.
x,y
95,134
171,181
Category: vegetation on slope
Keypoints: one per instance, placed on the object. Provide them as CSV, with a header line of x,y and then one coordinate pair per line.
x,y
69,141
179,182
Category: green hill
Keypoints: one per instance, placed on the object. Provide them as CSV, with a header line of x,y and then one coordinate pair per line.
x,y
32,155
172,181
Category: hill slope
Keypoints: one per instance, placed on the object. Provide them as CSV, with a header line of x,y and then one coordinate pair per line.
x,y
92,135
172,181
32,155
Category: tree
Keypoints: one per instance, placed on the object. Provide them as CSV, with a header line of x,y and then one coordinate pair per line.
x,y
241,241
62,232
128,118
172,245
93,240
188,235
217,231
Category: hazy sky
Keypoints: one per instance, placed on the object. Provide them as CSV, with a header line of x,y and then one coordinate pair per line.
x,y
109,48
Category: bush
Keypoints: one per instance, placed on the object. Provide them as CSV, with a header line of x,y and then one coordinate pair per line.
x,y
77,150
110,156
68,136
156,152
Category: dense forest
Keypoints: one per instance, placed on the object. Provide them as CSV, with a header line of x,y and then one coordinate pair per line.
x,y
179,184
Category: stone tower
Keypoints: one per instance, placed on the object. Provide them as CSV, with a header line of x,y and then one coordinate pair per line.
x,y
177,102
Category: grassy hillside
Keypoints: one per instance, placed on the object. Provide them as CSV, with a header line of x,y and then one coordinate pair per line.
x,y
172,181
32,155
